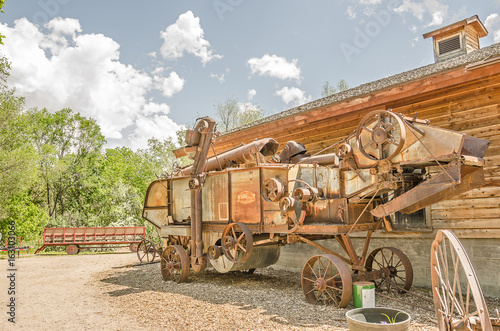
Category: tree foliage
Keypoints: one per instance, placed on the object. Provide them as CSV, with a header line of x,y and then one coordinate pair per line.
x,y
232,114
328,89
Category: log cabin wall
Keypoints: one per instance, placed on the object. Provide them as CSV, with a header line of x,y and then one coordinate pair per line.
x,y
461,94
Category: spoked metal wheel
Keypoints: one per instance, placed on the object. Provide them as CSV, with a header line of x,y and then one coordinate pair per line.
x,y
146,251
381,135
175,264
237,242
326,280
458,298
397,269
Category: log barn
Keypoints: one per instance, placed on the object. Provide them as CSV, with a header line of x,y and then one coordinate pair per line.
x,y
460,91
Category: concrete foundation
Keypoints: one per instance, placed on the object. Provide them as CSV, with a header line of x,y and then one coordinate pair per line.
x,y
483,253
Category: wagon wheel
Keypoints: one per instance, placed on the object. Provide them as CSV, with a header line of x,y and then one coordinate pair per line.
x,y
453,282
325,280
72,249
396,266
133,247
385,129
237,242
146,251
175,264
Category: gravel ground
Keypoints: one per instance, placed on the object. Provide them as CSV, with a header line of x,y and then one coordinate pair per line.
x,y
268,299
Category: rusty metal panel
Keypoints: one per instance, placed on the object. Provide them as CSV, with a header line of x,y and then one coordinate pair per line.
x,y
271,210
353,212
245,195
215,198
355,181
181,199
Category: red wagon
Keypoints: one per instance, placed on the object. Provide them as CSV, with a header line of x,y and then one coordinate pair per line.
x,y
76,239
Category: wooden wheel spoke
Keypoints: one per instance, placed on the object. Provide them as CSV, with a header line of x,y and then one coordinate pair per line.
x,y
242,247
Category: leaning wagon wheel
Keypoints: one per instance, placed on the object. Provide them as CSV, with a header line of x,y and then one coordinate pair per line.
x,y
175,264
72,249
326,280
146,251
237,242
453,282
396,266
385,129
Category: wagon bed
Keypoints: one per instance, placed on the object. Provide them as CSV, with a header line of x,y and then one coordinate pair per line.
x,y
92,237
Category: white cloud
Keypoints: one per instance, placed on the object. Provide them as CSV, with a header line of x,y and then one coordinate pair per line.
x,y
275,66
293,95
169,85
492,24
83,72
220,77
158,126
351,14
186,35
438,12
417,9
251,94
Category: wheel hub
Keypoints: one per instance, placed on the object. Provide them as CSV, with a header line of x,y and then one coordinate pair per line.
x,y
229,242
320,284
170,266
379,135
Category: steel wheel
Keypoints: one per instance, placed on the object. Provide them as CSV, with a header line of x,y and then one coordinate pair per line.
x,y
146,251
237,242
458,298
175,264
272,189
384,129
396,266
326,280
72,249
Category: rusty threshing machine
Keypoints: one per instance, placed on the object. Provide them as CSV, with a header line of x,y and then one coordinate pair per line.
x,y
237,208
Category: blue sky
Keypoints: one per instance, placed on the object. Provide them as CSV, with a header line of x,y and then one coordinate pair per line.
x,y
144,69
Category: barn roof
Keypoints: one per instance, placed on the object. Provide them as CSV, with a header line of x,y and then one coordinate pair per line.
x,y
476,58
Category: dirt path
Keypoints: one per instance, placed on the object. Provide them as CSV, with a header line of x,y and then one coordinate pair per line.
x,y
114,292
58,292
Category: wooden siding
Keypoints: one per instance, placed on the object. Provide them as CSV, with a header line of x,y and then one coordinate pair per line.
x,y
461,99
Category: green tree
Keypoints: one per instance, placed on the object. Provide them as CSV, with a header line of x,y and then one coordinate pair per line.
x,y
328,89
68,146
231,114
17,156
2,4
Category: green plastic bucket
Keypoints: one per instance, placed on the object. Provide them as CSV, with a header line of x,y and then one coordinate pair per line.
x,y
363,294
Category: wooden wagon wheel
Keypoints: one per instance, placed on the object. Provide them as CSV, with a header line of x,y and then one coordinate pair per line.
x,y
146,251
453,282
398,272
72,249
384,129
175,264
237,242
326,280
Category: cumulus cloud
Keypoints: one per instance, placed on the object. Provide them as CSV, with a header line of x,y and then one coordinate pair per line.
x,y
492,23
158,126
275,66
169,85
251,94
186,35
61,67
438,12
293,96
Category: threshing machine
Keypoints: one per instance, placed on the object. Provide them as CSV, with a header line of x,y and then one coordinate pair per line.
x,y
237,208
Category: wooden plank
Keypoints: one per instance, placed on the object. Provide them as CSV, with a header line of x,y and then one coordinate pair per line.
x,y
492,223
482,192
468,203
457,214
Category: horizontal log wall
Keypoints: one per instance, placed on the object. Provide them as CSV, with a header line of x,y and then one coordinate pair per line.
x,y
462,100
